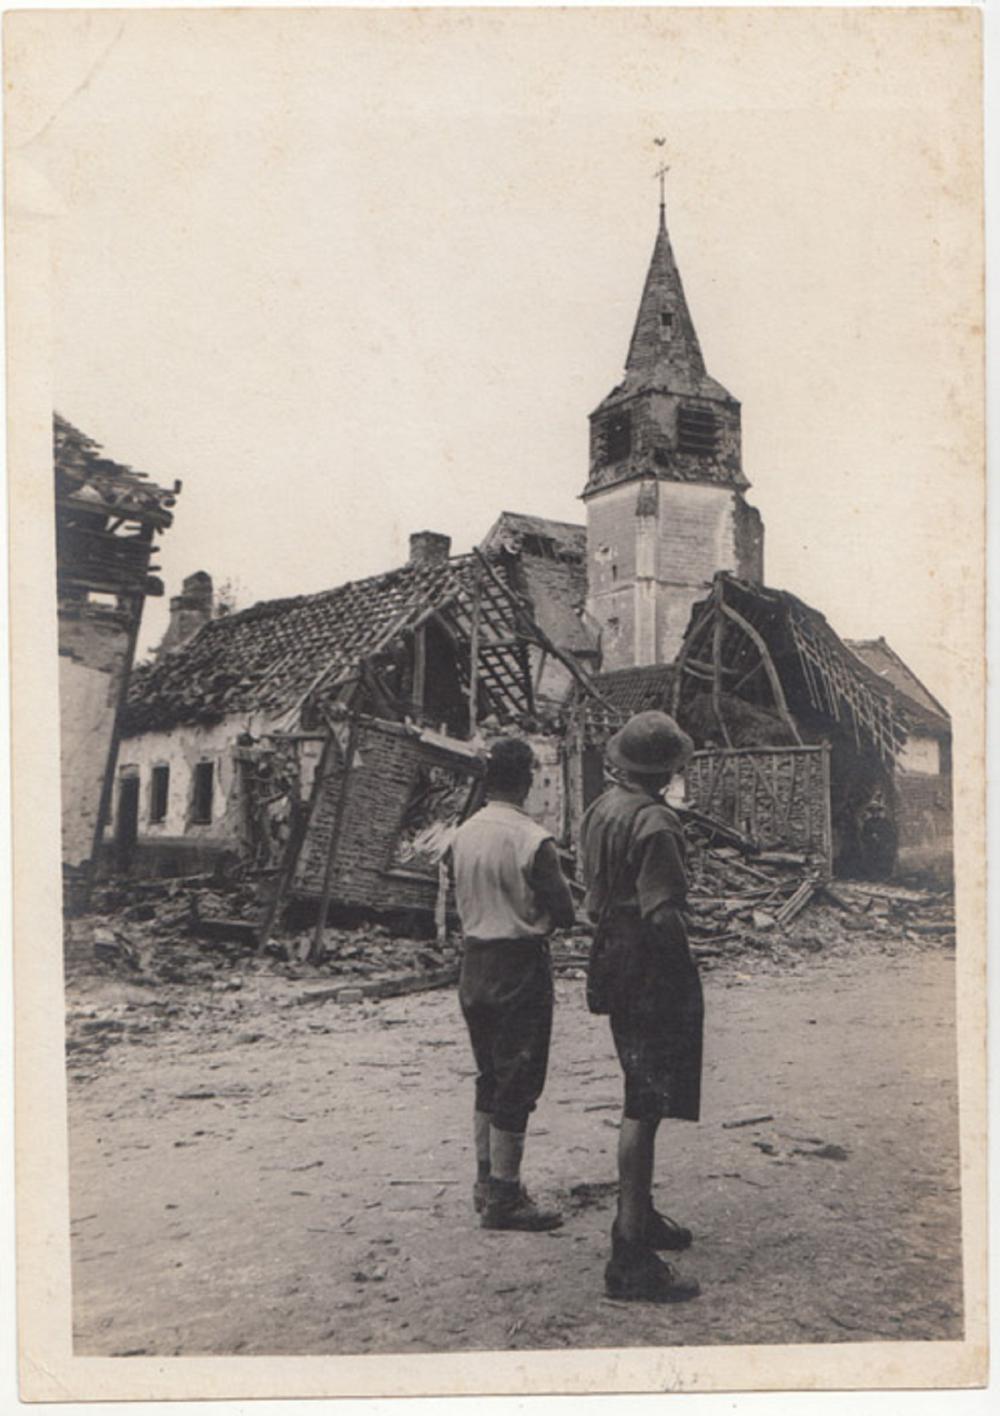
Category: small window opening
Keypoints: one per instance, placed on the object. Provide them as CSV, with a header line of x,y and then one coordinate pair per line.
x,y
617,438
159,793
697,431
666,321
614,572
204,784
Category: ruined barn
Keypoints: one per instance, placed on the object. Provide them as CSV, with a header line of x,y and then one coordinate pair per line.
x,y
803,741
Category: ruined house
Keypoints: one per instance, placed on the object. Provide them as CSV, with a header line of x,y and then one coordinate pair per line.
x,y
803,740
225,734
107,517
922,779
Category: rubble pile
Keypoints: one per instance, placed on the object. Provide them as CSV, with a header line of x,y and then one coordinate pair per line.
x,y
780,904
768,906
200,929
774,907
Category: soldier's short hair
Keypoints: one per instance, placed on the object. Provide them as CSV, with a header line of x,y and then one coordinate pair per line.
x,y
509,764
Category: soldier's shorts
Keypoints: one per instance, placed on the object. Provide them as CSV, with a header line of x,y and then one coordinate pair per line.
x,y
505,991
657,1021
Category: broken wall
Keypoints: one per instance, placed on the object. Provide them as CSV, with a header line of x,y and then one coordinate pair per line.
x,y
546,802
920,753
94,644
780,797
924,825
383,852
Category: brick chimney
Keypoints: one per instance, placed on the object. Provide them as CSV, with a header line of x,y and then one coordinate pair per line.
x,y
429,548
188,611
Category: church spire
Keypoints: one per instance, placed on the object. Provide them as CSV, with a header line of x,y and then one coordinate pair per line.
x,y
664,338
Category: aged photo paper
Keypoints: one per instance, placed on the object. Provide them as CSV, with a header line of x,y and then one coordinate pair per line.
x,y
567,410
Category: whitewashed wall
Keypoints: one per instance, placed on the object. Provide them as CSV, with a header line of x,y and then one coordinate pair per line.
x,y
920,754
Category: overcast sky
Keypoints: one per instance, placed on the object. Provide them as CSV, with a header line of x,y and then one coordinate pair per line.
x,y
353,275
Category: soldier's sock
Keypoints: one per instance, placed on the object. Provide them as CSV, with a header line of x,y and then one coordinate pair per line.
x,y
482,1139
506,1150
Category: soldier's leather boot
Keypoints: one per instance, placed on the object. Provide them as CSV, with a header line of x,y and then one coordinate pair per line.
x,y
508,1206
662,1232
635,1274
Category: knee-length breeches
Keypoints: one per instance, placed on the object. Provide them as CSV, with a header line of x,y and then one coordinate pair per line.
x,y
505,991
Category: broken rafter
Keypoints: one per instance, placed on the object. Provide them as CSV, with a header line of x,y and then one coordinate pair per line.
x,y
765,655
536,633
703,621
718,629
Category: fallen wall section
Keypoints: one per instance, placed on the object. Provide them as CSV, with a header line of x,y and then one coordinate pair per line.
x,y
384,817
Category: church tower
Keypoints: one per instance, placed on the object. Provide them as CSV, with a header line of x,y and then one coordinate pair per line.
x,y
665,504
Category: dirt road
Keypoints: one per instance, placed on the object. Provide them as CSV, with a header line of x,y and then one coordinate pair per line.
x,y
255,1174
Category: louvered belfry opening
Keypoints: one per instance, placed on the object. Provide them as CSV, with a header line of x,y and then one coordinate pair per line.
x,y
617,437
697,431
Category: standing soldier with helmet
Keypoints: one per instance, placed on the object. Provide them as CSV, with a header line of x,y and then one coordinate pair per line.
x,y
644,977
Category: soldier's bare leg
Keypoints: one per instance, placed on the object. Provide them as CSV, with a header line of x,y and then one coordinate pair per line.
x,y
481,1131
636,1153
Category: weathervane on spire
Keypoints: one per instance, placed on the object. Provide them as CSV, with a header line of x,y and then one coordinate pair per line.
x,y
661,173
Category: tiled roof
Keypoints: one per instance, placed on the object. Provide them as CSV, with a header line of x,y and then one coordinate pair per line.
x,y
922,706
565,538
268,658
628,691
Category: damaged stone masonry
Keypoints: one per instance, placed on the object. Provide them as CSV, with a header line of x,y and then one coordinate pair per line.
x,y
322,747
106,517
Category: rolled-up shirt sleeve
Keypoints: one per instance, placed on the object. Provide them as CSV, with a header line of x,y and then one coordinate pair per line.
x,y
662,879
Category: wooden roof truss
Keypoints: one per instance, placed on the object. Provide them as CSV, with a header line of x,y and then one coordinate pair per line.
x,y
729,644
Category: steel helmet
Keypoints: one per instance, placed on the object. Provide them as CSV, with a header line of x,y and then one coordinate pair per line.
x,y
650,742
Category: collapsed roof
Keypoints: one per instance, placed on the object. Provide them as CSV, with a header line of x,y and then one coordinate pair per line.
x,y
274,657
547,561
772,648
106,517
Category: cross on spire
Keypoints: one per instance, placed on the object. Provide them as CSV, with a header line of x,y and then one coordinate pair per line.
x,y
661,175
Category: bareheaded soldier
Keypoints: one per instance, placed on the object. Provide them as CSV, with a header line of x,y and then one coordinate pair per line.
x,y
510,893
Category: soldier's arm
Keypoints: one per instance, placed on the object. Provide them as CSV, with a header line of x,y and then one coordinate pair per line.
x,y
550,887
661,885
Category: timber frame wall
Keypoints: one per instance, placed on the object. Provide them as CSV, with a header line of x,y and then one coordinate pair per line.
x,y
779,796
